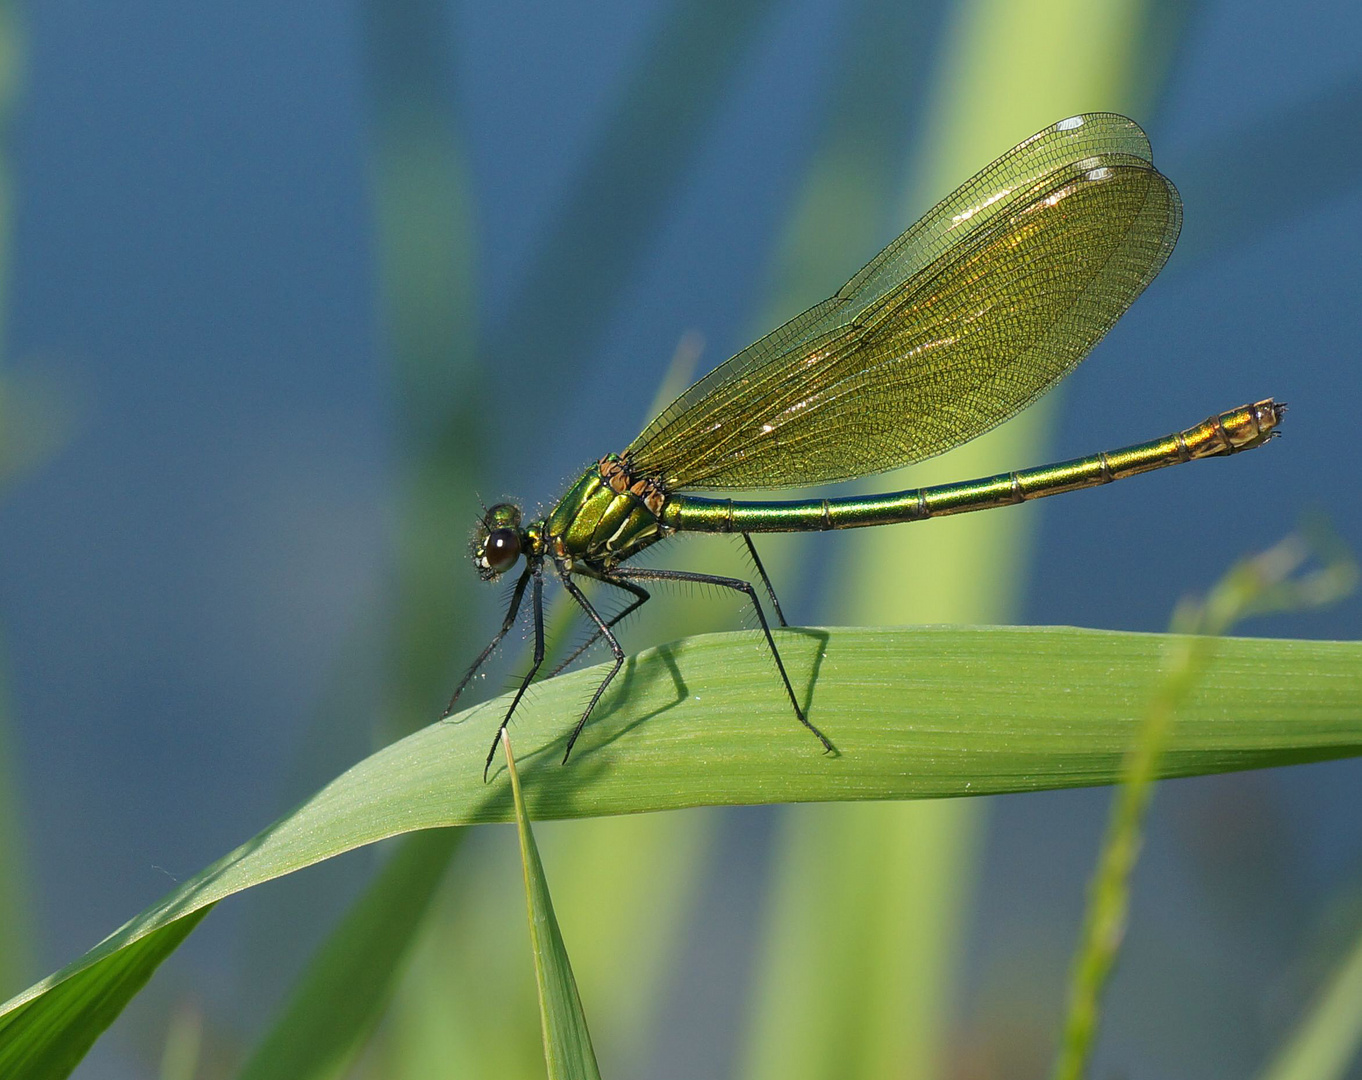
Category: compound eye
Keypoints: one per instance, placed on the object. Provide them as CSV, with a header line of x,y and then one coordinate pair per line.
x,y
502,550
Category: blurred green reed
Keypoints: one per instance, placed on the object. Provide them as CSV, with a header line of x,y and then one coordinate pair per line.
x,y
182,1053
1325,1043
336,1004
426,273
881,977
16,923
1273,580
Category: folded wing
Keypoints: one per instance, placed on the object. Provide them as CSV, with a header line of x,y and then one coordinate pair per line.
x,y
972,314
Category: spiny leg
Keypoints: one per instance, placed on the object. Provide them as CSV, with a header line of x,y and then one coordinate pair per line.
x,y
737,585
771,592
537,600
641,595
506,624
602,629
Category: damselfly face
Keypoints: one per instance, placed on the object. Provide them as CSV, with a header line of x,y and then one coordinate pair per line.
x,y
497,541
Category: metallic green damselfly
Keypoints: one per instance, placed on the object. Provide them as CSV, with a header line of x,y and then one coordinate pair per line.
x,y
971,315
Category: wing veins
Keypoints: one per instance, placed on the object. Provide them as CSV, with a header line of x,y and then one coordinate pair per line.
x,y
949,326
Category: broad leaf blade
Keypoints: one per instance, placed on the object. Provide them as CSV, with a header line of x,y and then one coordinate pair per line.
x,y
46,1038
915,714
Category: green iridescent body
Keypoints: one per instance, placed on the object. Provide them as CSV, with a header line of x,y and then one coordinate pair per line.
x,y
1228,433
595,524
601,526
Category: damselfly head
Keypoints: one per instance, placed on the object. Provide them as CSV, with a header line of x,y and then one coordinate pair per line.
x,y
497,544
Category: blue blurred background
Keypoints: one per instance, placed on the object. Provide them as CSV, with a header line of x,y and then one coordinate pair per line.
x,y
203,322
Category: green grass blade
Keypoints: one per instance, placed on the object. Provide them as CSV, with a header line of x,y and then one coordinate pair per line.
x,y
45,1038
567,1042
347,984
915,714
1327,1040
1268,581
